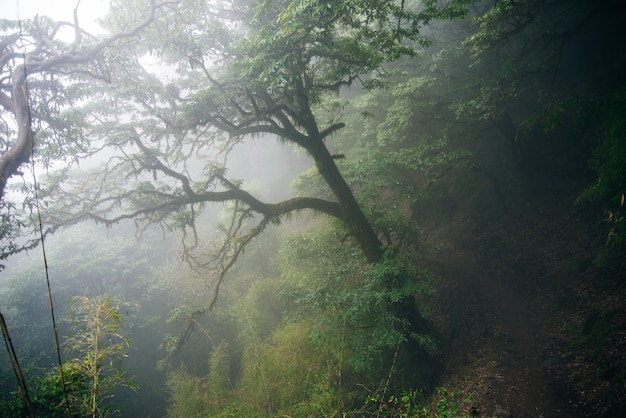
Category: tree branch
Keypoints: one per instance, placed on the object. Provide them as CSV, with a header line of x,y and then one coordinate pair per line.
x,y
18,104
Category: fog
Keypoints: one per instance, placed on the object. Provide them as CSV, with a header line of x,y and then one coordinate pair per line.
x,y
207,193
89,11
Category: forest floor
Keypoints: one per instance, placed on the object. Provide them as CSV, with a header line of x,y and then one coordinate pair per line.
x,y
513,297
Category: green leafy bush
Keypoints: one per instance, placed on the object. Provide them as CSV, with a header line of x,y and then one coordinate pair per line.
x,y
609,187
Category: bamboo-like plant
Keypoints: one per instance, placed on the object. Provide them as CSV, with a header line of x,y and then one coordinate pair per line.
x,y
98,347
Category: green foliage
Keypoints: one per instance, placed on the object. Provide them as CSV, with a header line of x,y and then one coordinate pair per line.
x,y
613,244
609,188
308,339
188,395
286,373
243,69
332,43
410,404
449,405
283,374
555,114
499,23
357,308
48,396
384,157
218,381
100,346
375,170
262,299
609,159
93,370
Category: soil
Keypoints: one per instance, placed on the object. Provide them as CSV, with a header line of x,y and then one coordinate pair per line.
x,y
506,338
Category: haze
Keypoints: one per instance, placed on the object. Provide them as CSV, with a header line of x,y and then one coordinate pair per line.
x,y
313,209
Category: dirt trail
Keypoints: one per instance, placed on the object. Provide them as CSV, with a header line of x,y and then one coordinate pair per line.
x,y
503,364
500,266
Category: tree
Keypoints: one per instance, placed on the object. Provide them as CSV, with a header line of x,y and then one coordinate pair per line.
x,y
244,70
45,87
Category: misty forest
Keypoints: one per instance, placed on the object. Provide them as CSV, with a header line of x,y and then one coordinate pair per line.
x,y
314,208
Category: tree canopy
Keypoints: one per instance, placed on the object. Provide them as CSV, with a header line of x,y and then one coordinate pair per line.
x,y
242,70
46,87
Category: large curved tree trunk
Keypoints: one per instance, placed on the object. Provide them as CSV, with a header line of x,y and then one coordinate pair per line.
x,y
352,214
358,224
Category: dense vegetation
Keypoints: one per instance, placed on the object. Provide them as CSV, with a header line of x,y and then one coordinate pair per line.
x,y
452,242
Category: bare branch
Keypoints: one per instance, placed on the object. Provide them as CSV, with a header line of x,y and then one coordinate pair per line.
x,y
232,259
